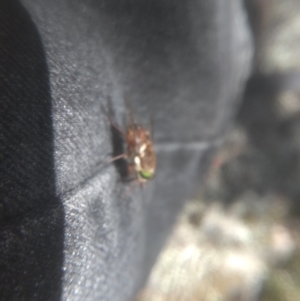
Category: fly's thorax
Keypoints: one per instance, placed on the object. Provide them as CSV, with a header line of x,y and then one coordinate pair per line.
x,y
137,140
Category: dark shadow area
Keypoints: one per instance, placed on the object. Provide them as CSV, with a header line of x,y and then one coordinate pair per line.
x,y
271,122
118,146
118,143
273,126
31,216
270,163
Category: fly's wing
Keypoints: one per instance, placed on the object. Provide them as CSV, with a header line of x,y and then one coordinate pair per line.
x,y
112,122
132,121
151,126
130,114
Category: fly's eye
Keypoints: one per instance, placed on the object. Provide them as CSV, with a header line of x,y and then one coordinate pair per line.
x,y
147,175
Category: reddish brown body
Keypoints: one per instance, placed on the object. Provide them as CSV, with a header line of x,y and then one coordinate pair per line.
x,y
140,152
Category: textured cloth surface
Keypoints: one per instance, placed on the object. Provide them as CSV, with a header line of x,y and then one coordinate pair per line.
x,y
69,229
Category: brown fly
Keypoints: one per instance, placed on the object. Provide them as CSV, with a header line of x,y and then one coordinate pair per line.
x,y
139,154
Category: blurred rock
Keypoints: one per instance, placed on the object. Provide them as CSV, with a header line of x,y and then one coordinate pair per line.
x,y
222,257
281,44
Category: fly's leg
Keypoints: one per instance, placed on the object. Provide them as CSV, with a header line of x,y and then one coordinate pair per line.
x,y
113,159
131,187
130,170
122,156
113,124
142,184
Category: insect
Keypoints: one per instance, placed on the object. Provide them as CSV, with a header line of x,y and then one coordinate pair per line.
x,y
139,154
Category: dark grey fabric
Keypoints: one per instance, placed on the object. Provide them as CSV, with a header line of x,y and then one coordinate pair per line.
x,y
69,229
31,215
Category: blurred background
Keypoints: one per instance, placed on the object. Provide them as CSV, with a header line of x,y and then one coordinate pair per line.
x,y
239,239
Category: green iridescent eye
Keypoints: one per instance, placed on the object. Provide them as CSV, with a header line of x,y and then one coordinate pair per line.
x,y
148,175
